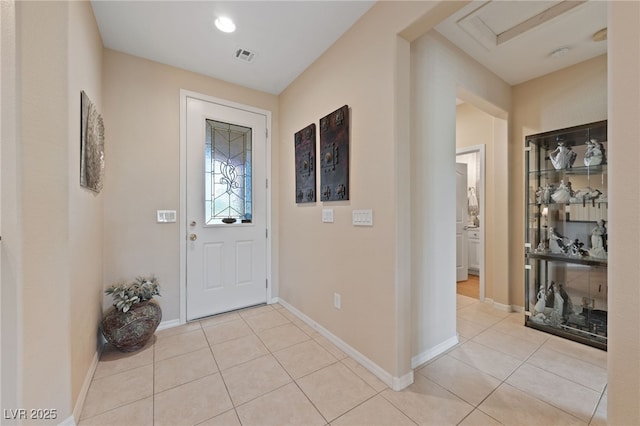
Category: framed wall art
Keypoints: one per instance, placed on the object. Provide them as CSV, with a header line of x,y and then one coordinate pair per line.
x,y
305,148
334,155
91,145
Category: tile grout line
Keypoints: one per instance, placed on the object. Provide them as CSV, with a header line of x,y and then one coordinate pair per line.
x,y
254,333
566,378
286,372
595,409
296,382
84,419
541,346
224,382
522,363
504,382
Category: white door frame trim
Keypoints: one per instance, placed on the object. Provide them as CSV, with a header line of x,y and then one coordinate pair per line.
x,y
184,94
480,149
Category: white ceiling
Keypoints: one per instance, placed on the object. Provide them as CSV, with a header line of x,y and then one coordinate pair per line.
x,y
514,39
483,30
286,36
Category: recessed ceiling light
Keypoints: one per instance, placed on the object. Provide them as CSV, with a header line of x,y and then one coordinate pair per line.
x,y
559,53
225,24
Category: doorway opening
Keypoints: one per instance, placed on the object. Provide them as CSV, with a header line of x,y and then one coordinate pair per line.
x,y
471,243
482,139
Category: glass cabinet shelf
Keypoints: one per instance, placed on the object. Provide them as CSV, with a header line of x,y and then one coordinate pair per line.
x,y
593,170
582,203
569,259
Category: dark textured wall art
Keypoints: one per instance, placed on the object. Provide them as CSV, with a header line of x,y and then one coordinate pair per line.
x,y
305,148
334,155
91,145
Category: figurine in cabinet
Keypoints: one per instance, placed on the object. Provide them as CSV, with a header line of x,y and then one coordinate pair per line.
x,y
576,249
597,241
543,195
562,241
595,153
563,193
562,157
587,194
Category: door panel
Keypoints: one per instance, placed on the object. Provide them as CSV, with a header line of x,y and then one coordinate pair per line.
x,y
225,208
462,253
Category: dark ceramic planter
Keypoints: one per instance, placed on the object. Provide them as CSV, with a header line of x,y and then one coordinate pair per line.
x,y
131,330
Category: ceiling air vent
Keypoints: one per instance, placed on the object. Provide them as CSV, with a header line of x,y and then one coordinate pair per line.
x,y
244,55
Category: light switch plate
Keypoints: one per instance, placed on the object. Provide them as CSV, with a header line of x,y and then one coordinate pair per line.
x,y
337,301
327,215
166,216
362,217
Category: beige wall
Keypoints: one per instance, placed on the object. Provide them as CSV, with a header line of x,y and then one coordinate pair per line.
x,y
372,82
440,72
363,70
44,133
337,257
142,119
624,220
45,201
86,208
10,212
569,97
53,253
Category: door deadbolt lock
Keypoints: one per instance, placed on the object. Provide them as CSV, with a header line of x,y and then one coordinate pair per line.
x,y
193,223
193,237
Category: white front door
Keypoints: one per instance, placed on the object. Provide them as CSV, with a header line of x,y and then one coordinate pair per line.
x,y
226,208
462,252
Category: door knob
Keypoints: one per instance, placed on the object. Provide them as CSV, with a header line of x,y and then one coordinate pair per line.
x,y
193,237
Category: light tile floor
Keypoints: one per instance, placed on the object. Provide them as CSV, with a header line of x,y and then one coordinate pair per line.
x,y
263,366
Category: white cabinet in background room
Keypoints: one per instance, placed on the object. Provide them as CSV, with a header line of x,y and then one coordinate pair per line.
x,y
473,235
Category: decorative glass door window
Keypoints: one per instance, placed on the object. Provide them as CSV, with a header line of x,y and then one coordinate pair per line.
x,y
227,173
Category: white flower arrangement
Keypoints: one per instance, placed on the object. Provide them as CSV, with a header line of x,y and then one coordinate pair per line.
x,y
126,294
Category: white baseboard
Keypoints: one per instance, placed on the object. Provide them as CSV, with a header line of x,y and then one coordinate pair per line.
x,y
499,306
273,300
77,409
519,309
425,356
402,382
395,383
168,324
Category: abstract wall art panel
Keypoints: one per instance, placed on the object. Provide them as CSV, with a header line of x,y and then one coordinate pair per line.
x,y
334,155
305,148
91,145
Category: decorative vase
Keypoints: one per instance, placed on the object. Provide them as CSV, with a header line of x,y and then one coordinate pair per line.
x,y
131,330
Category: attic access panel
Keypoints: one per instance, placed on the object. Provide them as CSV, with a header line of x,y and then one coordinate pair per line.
x,y
334,155
305,148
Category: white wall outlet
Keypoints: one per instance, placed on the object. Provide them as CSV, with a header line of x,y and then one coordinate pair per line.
x,y
166,216
327,215
337,303
362,217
